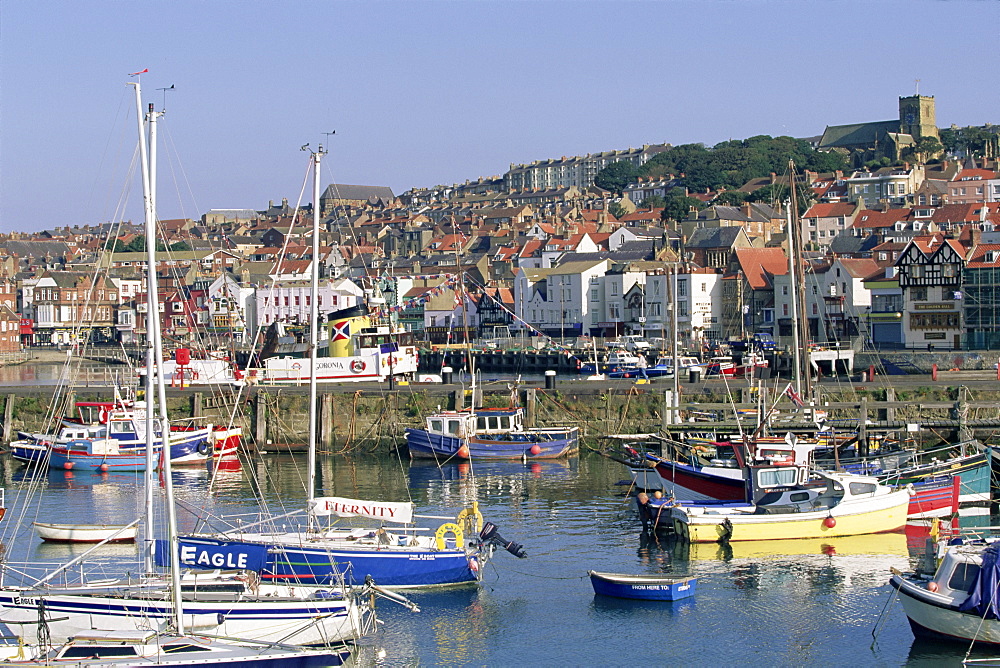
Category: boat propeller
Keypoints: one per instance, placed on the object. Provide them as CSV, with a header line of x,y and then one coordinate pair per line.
x,y
490,535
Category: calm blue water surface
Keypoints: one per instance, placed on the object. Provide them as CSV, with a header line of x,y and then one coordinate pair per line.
x,y
796,603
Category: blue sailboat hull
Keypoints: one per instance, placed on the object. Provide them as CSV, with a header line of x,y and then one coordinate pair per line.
x,y
396,568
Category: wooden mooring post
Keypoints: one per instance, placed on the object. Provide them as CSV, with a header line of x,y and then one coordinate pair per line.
x,y
8,418
260,418
326,421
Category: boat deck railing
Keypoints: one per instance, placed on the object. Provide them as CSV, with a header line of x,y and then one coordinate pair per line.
x,y
94,573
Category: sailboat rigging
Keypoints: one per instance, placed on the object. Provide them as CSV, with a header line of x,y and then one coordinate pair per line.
x,y
393,553
150,614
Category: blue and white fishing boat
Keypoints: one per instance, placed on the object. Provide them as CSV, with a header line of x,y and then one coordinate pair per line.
x,y
124,424
489,433
642,587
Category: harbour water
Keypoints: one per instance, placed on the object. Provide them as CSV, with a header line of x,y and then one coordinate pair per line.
x,y
796,603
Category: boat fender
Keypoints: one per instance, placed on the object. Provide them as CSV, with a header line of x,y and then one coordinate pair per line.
x,y
444,530
203,448
932,586
910,490
471,519
725,532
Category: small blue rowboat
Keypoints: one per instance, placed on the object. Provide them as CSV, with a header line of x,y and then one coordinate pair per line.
x,y
642,587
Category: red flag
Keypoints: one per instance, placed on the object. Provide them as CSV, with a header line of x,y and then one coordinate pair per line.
x,y
140,72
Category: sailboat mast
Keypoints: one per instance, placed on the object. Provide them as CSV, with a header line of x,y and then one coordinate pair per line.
x,y
317,157
149,356
153,325
796,344
161,390
799,286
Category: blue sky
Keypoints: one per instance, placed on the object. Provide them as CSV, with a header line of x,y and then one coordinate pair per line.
x,y
421,93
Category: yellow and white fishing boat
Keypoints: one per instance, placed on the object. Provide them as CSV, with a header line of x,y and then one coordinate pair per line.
x,y
792,502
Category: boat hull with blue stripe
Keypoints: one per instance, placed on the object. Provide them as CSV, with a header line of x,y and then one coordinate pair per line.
x,y
489,434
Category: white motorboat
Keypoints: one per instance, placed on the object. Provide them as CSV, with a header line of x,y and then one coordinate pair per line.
x,y
959,601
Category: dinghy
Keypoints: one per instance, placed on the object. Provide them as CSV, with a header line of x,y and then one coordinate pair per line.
x,y
642,587
86,533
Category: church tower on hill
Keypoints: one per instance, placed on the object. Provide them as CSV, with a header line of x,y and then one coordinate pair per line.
x,y
917,116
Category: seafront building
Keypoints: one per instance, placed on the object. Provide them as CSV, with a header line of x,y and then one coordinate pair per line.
x,y
898,252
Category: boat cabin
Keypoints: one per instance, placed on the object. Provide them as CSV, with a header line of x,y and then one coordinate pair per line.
x,y
622,359
957,572
485,421
683,362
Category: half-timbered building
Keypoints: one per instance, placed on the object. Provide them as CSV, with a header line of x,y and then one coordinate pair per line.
x,y
930,276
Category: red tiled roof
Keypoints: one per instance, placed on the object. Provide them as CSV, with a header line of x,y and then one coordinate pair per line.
x,y
759,264
829,210
870,219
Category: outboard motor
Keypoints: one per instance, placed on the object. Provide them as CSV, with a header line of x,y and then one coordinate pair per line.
x,y
489,534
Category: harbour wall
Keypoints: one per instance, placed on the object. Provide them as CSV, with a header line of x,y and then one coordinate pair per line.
x,y
354,419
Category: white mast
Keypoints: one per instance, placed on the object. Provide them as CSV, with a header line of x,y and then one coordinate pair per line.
x,y
153,325
158,332
317,157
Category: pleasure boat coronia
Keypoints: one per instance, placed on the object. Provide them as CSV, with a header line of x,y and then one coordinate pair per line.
x,y
489,433
358,350
794,502
960,601
665,366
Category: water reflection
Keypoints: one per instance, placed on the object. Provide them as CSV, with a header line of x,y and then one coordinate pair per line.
x,y
572,517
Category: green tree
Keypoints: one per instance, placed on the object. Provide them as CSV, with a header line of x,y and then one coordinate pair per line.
x,y
677,207
925,148
653,202
180,246
617,210
777,193
731,198
616,176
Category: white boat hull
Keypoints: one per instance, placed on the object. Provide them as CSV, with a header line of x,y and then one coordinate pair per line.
x,y
933,615
84,533
300,621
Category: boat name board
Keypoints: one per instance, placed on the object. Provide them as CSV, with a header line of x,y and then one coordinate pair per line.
x,y
212,555
333,505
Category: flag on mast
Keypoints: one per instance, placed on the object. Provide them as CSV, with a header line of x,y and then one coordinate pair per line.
x,y
132,74
794,396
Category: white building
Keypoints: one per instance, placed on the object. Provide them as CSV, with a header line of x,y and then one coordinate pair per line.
x,y
290,302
